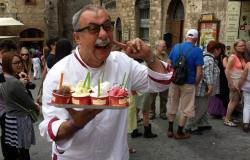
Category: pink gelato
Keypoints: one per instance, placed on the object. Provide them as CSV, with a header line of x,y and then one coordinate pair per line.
x,y
118,96
118,91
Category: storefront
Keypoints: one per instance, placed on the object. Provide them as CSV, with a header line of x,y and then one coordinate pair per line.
x,y
238,21
9,28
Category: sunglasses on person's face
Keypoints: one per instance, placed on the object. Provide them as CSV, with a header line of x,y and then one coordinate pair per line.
x,y
24,54
93,28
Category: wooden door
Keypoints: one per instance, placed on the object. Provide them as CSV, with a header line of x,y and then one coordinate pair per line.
x,y
177,31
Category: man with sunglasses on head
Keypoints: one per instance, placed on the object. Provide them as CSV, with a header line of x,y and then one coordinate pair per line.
x,y
95,134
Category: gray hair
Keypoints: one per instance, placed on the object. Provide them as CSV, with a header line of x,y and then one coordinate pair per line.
x,y
76,17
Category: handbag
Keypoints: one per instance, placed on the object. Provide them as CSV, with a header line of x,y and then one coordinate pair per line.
x,y
32,113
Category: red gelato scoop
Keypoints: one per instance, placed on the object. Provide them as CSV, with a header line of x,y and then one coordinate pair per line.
x,y
118,91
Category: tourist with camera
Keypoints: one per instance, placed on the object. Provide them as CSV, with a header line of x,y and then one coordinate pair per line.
x,y
19,108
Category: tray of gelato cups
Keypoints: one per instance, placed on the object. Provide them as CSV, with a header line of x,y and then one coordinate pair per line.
x,y
86,106
99,98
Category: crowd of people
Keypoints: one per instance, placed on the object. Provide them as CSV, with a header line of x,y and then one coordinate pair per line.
x,y
16,100
211,83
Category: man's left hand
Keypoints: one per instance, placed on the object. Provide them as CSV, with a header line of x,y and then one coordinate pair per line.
x,y
136,49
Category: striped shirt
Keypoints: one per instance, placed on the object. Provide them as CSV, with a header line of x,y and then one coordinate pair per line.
x,y
211,76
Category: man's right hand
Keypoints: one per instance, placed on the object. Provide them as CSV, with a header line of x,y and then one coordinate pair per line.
x,y
81,118
78,120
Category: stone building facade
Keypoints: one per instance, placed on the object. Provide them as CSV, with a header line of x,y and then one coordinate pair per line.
x,y
59,16
154,18
32,14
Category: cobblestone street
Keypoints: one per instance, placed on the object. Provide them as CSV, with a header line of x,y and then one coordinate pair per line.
x,y
220,143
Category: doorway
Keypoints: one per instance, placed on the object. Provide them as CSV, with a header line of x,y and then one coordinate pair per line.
x,y
175,20
118,27
32,38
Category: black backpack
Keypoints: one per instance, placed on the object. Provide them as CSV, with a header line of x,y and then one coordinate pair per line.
x,y
180,67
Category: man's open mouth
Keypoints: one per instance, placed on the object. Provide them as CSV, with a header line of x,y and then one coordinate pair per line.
x,y
102,47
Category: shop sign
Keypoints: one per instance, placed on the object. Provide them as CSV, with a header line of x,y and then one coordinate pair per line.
x,y
244,29
232,22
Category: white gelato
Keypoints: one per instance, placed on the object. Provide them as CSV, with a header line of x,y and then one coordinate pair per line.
x,y
104,88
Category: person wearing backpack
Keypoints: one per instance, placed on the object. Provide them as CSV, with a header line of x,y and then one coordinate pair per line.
x,y
187,61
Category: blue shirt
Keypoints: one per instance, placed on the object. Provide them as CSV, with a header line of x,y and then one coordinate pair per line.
x,y
194,59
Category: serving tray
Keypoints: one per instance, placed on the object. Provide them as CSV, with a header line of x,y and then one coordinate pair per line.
x,y
86,106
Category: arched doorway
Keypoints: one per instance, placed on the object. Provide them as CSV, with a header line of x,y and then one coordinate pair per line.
x,y
32,38
175,20
118,27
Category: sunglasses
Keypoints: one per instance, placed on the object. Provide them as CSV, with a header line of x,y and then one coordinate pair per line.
x,y
18,63
24,54
93,28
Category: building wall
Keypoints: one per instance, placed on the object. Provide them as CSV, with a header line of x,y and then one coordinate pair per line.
x,y
60,16
125,9
31,15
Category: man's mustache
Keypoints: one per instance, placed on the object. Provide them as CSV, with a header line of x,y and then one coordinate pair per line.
x,y
102,43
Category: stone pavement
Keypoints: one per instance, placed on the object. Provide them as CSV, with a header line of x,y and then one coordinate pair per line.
x,y
220,143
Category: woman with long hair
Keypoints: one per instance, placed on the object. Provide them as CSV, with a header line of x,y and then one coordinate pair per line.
x,y
27,65
234,69
19,132
27,61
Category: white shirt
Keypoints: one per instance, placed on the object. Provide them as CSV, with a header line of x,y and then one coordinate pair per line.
x,y
36,61
105,137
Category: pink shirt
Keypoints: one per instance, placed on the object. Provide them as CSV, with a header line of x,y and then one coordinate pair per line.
x,y
239,64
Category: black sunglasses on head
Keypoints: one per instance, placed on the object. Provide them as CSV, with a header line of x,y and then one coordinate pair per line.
x,y
108,26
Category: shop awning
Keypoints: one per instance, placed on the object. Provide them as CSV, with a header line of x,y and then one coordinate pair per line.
x,y
8,37
9,21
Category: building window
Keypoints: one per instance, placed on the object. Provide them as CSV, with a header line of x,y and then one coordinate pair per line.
x,y
143,8
30,2
144,34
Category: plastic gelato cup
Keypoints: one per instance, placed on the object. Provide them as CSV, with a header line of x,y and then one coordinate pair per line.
x,y
60,99
118,96
118,101
81,96
100,101
103,98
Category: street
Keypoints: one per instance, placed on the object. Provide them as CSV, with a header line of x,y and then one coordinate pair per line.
x,y
220,143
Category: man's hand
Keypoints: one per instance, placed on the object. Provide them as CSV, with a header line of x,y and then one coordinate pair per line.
x,y
136,49
81,118
78,120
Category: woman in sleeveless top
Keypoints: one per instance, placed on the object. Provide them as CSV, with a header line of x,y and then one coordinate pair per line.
x,y
234,69
244,85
